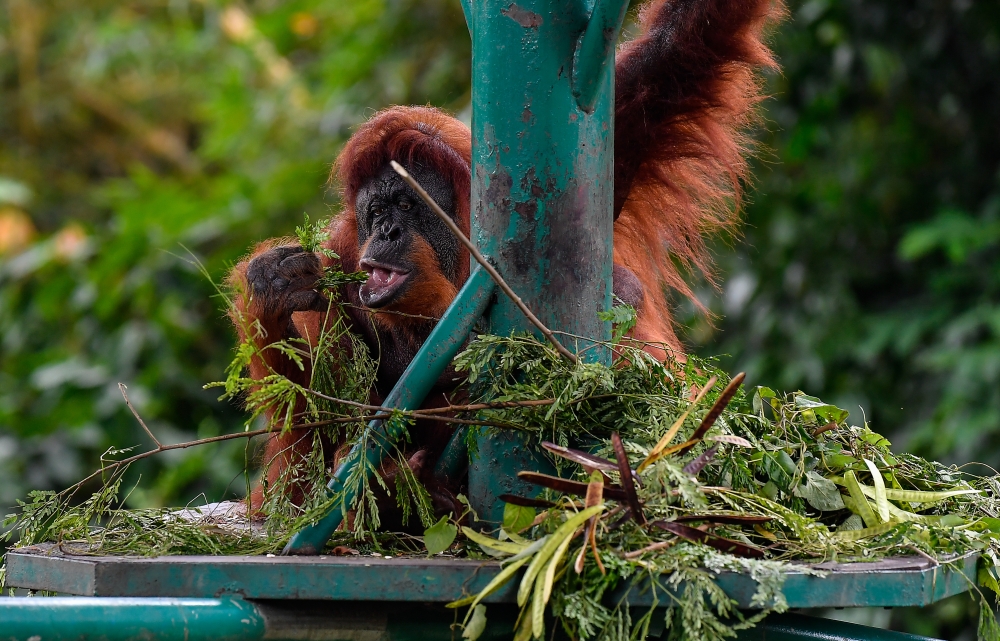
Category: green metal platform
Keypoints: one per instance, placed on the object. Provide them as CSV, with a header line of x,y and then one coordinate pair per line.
x,y
374,598
907,581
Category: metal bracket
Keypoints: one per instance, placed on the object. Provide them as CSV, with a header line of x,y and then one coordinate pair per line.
x,y
595,51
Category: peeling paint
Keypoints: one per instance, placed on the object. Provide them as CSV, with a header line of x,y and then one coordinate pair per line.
x,y
524,17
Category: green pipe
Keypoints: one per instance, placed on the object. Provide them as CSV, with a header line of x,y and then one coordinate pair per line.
x,y
415,383
797,627
125,619
454,461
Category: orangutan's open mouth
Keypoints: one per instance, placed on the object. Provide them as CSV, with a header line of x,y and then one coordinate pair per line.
x,y
384,284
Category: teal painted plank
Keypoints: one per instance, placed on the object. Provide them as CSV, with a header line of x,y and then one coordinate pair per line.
x,y
416,382
899,582
909,581
294,577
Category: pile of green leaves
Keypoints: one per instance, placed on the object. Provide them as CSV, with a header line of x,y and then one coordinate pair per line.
x,y
671,472
769,479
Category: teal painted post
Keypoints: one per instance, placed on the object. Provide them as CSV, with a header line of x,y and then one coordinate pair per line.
x,y
415,383
543,182
125,619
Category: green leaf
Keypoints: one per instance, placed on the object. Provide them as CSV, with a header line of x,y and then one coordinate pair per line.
x,y
489,543
875,439
839,461
825,411
622,319
517,517
778,466
881,500
819,492
857,535
440,536
859,502
565,530
917,496
989,630
762,394
538,606
853,522
476,625
548,577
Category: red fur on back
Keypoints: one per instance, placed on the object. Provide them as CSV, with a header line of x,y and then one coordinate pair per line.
x,y
685,92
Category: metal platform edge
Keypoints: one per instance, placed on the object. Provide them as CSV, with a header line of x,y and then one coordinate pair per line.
x,y
896,582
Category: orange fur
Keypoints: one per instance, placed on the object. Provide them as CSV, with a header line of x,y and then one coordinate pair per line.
x,y
686,90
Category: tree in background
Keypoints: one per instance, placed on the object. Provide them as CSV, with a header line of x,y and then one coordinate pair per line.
x,y
869,268
137,139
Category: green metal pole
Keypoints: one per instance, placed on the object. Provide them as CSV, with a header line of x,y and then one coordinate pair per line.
x,y
542,182
126,619
796,627
415,383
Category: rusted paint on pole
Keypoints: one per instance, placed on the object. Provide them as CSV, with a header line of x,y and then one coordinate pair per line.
x,y
543,182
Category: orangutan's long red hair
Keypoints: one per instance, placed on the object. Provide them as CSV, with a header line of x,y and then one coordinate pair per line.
x,y
685,93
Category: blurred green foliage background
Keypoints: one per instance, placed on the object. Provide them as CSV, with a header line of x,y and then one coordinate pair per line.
x,y
140,139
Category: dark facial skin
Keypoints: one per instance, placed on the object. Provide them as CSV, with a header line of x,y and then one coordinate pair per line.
x,y
390,217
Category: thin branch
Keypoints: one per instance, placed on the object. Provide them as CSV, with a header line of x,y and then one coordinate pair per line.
x,y
930,558
164,448
501,283
431,414
342,401
390,311
474,407
659,545
122,388
385,413
486,406
448,408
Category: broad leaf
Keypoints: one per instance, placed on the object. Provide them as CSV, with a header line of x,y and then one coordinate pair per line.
x,y
517,517
476,625
819,492
440,536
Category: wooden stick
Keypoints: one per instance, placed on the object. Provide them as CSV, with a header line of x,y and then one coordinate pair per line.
x,y
122,388
501,283
660,545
